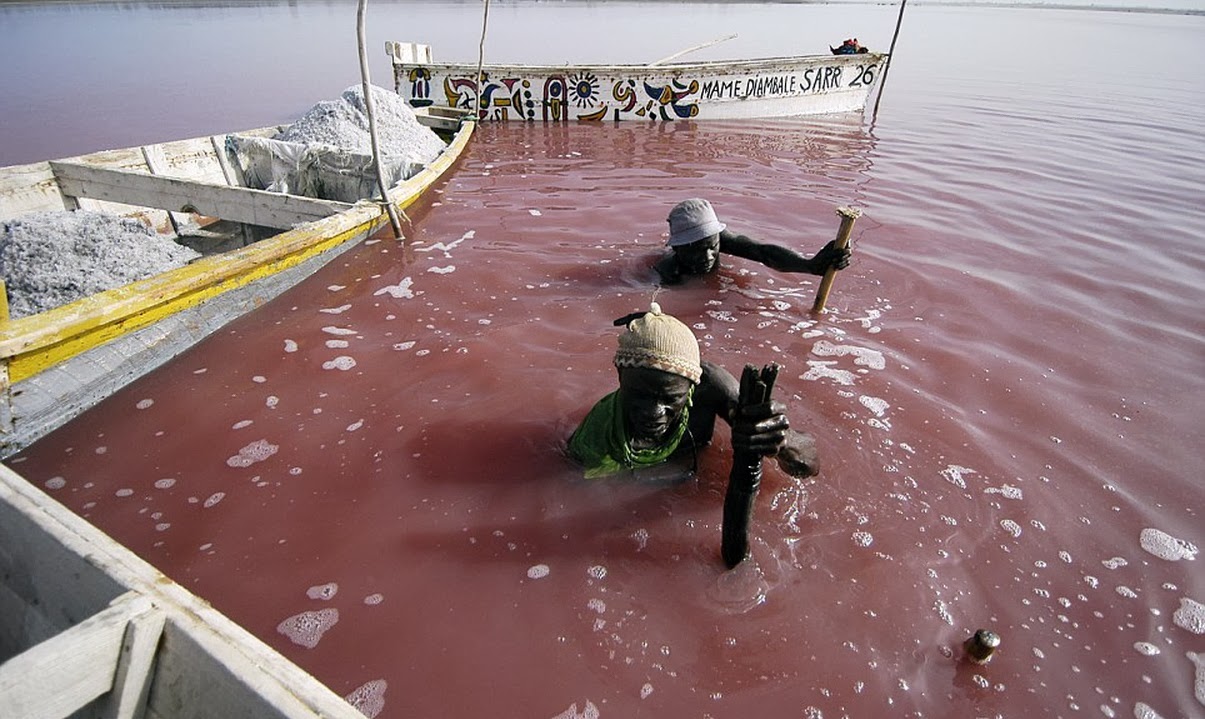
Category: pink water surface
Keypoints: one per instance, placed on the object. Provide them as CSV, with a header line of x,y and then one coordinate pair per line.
x,y
1006,393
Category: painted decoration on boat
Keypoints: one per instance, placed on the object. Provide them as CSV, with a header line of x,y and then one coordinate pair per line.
x,y
761,88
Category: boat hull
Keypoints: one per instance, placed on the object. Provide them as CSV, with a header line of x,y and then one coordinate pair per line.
x,y
725,90
58,363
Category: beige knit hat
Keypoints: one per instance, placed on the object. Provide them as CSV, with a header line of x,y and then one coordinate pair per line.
x,y
659,341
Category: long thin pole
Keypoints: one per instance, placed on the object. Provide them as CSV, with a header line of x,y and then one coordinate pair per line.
x,y
680,53
370,108
485,18
848,215
890,54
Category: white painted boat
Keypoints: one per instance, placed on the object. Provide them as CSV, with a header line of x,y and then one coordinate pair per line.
x,y
713,90
58,363
88,629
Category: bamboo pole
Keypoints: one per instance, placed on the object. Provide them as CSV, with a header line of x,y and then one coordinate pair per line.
x,y
370,108
890,54
848,215
485,18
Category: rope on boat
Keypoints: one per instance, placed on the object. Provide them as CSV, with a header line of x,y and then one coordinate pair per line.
x,y
370,108
485,18
887,65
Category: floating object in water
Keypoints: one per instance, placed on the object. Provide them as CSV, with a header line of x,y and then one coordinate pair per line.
x,y
981,646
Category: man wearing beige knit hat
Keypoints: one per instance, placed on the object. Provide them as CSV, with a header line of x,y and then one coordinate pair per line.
x,y
697,238
667,403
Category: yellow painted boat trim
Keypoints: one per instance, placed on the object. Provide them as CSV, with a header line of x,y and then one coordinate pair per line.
x,y
32,344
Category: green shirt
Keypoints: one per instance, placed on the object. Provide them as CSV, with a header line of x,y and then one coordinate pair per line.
x,y
601,443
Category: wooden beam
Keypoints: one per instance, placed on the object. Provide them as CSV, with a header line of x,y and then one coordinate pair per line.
x,y
238,204
73,668
132,680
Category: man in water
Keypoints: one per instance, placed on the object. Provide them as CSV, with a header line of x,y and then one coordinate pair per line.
x,y
667,404
697,238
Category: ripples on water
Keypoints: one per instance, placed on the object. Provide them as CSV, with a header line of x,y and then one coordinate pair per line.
x,y
1006,394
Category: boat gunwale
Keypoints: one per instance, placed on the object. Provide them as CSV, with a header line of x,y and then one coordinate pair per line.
x,y
726,66
120,307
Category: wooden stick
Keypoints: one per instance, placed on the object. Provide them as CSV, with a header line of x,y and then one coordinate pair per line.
x,y
848,215
680,53
370,110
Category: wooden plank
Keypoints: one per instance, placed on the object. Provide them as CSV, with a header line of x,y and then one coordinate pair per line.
x,y
153,154
240,204
72,669
132,680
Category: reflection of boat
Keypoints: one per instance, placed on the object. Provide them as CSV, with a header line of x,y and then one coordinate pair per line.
x,y
725,89
56,363
90,629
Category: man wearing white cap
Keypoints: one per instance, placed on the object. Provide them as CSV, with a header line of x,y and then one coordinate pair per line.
x,y
697,238
667,403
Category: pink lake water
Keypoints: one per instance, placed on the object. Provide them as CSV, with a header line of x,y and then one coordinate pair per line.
x,y
1006,392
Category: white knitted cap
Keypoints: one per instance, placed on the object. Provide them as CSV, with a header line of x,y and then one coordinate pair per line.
x,y
659,341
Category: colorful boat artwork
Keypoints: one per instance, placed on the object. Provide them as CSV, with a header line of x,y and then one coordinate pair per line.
x,y
712,90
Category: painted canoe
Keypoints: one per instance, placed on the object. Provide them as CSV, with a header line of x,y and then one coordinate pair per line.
x,y
57,363
713,90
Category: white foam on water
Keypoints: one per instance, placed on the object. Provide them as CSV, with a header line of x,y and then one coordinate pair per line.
x,y
56,483
374,599
1114,563
943,611
325,592
341,363
335,310
642,538
336,288
1198,683
954,474
399,291
825,369
337,344
874,404
145,403
598,571
448,247
123,492
355,425
403,346
290,346
163,526
646,690
597,605
257,451
863,357
307,628
214,499
1011,527
1143,711
862,539
1126,592
442,270
271,401
534,213
369,698
588,712
1146,648
422,353
1008,491
1190,616
338,331
1165,546
259,379
538,571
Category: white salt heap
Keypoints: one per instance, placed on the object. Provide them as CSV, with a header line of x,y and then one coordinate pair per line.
x,y
343,123
52,258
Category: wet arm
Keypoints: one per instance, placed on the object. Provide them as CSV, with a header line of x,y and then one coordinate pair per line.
x,y
781,258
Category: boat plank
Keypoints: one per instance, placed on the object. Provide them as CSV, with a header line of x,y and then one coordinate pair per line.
x,y
238,204
73,668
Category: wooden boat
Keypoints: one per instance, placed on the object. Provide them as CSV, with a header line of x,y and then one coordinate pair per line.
x,y
57,363
713,90
90,629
